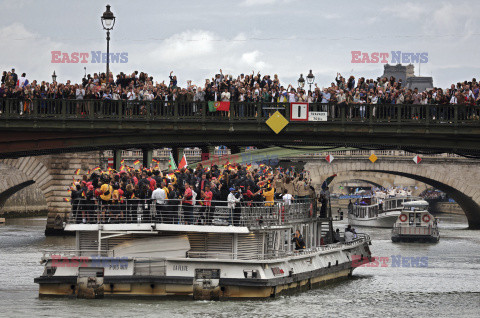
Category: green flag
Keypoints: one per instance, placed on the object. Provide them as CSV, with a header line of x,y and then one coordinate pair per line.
x,y
171,163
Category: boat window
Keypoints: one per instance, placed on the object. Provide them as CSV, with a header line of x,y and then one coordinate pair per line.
x,y
418,218
411,218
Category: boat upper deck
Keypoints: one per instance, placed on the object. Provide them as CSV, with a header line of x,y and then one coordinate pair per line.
x,y
213,217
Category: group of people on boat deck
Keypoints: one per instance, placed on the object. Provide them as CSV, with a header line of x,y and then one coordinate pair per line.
x,y
116,195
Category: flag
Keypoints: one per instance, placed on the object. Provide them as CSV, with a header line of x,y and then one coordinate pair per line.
x,y
77,172
183,162
66,199
136,162
249,166
329,158
171,163
122,161
155,160
417,159
122,167
328,181
219,106
96,168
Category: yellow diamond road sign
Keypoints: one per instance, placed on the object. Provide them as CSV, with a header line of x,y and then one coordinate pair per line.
x,y
277,122
373,158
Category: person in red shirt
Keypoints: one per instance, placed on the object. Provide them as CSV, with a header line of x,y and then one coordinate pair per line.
x,y
153,183
188,204
207,196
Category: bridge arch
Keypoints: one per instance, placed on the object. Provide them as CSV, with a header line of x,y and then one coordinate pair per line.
x,y
459,185
26,171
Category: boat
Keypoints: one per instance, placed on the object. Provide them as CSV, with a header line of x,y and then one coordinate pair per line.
x,y
245,252
415,224
376,211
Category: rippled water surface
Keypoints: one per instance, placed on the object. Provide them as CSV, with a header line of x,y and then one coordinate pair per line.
x,y
448,287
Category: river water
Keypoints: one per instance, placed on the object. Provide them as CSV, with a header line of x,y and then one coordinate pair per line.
x,y
448,287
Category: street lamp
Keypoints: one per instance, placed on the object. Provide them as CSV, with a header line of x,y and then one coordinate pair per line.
x,y
310,79
108,21
301,81
54,77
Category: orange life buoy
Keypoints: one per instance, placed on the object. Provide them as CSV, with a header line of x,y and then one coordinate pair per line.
x,y
426,218
403,217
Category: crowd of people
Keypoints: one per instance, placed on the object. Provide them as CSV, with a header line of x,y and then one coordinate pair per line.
x,y
113,197
253,87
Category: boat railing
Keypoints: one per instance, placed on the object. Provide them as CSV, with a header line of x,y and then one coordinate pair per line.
x,y
275,254
59,254
148,266
243,213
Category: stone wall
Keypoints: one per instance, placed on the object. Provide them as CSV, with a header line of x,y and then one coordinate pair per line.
x,y
29,201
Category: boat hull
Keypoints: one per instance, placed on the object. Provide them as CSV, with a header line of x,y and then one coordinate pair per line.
x,y
383,221
415,238
275,277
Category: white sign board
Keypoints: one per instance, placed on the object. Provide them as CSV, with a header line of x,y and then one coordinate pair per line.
x,y
299,111
317,116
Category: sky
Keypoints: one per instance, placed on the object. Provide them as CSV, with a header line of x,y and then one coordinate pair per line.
x,y
195,39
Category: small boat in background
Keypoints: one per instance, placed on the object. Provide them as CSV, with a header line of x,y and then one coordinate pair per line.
x,y
415,224
377,212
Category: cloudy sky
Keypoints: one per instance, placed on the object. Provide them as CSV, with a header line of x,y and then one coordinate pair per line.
x,y
285,37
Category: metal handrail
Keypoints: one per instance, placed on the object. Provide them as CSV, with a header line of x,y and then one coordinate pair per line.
x,y
246,213
98,109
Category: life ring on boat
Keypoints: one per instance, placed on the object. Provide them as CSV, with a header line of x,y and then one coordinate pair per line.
x,y
402,217
426,218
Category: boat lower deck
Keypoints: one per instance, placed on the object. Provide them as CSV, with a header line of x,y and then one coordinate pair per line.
x,y
181,286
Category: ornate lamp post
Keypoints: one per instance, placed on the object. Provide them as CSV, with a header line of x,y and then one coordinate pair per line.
x,y
301,81
310,79
54,77
108,21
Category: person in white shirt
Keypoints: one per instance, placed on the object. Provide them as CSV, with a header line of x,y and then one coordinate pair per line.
x,y
287,197
348,236
226,96
232,202
159,195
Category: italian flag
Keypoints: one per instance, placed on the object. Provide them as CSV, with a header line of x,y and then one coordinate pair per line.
x,y
171,163
183,162
219,106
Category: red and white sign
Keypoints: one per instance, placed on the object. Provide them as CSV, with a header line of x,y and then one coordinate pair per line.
x,y
110,162
329,158
417,159
298,111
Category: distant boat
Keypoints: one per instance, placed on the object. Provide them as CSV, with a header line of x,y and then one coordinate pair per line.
x,y
415,224
377,212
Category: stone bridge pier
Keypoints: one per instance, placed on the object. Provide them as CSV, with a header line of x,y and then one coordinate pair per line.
x,y
50,174
458,178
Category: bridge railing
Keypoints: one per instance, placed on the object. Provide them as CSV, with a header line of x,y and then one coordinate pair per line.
x,y
239,111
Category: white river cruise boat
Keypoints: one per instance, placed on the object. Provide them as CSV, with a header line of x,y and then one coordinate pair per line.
x,y
415,224
137,248
377,212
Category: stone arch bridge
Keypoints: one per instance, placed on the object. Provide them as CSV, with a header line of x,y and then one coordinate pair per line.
x,y
52,175
459,178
